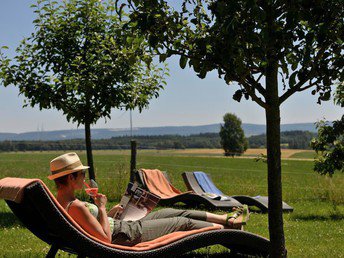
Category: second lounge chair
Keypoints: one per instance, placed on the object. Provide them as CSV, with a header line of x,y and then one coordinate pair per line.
x,y
201,183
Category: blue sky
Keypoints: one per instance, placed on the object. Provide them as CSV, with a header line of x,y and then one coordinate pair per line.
x,y
186,100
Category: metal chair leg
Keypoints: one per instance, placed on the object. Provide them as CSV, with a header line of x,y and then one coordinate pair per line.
x,y
52,252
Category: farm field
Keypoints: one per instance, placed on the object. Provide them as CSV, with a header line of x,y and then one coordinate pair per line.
x,y
250,153
314,229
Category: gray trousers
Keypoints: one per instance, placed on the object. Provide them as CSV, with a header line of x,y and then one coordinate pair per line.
x,y
157,224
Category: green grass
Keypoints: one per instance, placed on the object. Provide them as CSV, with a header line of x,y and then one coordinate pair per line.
x,y
314,229
304,155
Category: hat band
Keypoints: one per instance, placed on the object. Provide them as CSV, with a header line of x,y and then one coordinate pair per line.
x,y
69,167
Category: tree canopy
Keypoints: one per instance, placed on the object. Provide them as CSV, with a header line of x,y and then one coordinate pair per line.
x,y
233,139
81,60
330,142
235,38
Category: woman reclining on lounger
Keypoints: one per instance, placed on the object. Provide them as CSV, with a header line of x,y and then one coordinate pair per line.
x,y
69,175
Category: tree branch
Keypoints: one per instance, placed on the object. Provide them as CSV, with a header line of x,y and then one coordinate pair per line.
x,y
298,86
309,86
256,84
251,93
181,53
291,91
260,76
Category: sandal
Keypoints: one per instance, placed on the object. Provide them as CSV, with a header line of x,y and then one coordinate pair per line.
x,y
240,216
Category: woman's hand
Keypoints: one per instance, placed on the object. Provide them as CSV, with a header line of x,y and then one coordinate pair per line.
x,y
100,200
114,210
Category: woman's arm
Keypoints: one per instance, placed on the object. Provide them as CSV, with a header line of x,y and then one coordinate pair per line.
x,y
81,214
100,200
114,210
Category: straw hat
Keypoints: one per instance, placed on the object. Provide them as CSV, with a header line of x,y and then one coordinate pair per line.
x,y
65,164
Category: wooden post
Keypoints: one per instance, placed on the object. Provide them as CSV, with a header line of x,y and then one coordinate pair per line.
x,y
132,160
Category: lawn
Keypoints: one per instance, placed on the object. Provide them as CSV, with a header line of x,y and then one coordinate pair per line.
x,y
314,229
304,155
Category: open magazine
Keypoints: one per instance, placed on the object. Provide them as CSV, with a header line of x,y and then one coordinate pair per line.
x,y
217,197
136,203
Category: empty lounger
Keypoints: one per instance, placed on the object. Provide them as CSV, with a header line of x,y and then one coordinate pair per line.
x,y
156,182
201,183
32,202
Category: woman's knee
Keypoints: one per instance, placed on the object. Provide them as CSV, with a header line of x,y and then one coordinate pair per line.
x,y
183,223
170,212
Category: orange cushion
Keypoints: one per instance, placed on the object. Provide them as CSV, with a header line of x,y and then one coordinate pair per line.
x,y
13,188
158,184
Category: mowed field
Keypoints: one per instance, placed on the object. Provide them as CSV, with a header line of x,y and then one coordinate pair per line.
x,y
286,153
314,229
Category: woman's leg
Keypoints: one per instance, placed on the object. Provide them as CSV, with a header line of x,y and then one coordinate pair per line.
x,y
235,219
216,218
152,229
133,232
171,213
192,214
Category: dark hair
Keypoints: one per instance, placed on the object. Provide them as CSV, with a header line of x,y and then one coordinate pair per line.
x,y
62,181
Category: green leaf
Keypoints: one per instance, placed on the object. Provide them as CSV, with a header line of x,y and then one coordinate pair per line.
x,y
182,61
263,64
162,58
194,21
326,96
292,80
129,40
237,95
202,74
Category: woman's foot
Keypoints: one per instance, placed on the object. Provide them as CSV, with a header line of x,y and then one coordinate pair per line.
x,y
238,217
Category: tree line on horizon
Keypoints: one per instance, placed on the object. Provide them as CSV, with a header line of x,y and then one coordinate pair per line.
x,y
289,140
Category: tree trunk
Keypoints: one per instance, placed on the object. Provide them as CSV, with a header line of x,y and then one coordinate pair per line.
x,y
89,151
132,161
273,123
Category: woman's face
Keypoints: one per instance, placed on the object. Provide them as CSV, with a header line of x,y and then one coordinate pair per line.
x,y
79,180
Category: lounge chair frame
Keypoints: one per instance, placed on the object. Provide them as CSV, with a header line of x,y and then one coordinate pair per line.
x,y
261,202
40,214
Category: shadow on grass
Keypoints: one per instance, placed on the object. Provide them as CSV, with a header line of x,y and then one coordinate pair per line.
x,y
216,255
311,217
7,220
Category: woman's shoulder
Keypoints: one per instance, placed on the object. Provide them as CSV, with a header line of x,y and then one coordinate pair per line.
x,y
76,204
81,206
79,212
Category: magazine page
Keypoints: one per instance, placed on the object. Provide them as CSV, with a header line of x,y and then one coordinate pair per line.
x,y
136,203
217,196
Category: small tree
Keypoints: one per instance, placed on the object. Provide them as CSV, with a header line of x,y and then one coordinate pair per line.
x,y
233,139
329,144
253,42
81,60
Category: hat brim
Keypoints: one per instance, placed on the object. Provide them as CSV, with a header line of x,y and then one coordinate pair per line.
x,y
67,172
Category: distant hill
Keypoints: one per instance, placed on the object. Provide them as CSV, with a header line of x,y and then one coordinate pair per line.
x,y
250,129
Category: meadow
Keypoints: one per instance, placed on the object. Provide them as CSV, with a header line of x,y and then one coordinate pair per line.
x,y
314,229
